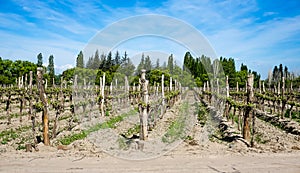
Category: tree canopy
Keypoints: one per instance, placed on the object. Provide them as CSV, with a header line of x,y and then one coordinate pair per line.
x,y
11,70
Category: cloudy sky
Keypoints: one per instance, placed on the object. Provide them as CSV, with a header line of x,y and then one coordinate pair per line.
x,y
260,34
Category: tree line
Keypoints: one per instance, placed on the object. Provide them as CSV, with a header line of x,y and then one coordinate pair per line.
x,y
200,69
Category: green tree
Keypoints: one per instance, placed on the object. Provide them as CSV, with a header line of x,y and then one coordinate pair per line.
x,y
51,67
69,74
124,58
280,72
102,61
242,75
90,62
79,60
256,79
117,60
186,61
164,66
157,64
141,65
276,75
229,70
170,63
109,62
148,63
11,70
96,62
244,67
127,67
40,60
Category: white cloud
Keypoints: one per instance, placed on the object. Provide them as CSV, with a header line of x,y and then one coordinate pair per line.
x,y
19,47
229,26
269,13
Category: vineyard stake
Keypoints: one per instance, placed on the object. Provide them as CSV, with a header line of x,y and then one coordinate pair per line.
x,y
102,93
162,96
43,98
227,87
144,113
170,84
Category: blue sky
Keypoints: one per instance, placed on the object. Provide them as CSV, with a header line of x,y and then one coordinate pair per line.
x,y
261,34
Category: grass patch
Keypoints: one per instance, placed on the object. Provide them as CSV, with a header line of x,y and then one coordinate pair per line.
x,y
111,123
133,130
64,117
21,147
122,144
295,115
216,136
69,139
189,138
236,119
259,139
176,129
202,114
9,135
14,115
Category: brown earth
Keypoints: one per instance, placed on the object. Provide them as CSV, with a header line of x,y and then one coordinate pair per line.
x,y
274,151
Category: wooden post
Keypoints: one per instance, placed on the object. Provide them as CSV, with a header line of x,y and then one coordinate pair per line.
x,y
28,148
246,127
283,102
170,84
110,88
237,86
61,82
156,89
144,113
22,101
53,82
102,93
227,95
127,89
26,81
162,95
263,85
84,83
22,81
227,87
19,82
139,86
283,86
46,83
207,84
100,84
8,109
43,98
218,87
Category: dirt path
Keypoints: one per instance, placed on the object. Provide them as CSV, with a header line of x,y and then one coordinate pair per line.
x,y
45,162
271,138
273,154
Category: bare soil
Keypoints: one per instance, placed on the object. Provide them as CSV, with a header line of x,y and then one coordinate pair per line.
x,y
274,151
